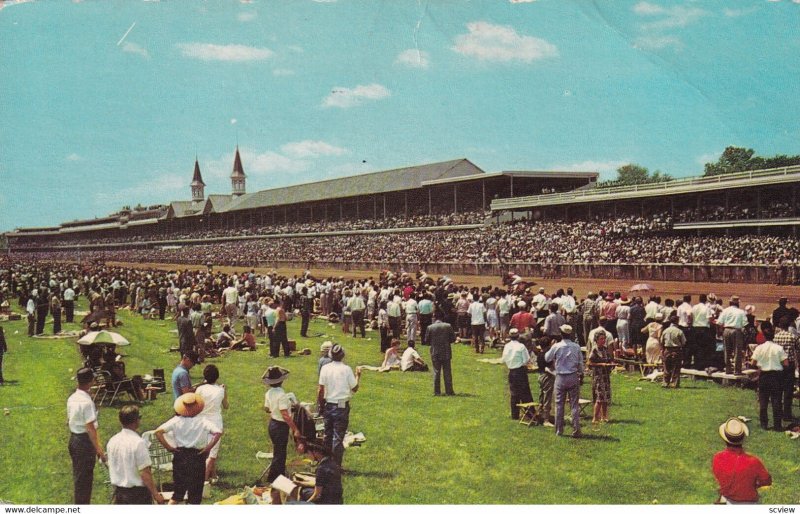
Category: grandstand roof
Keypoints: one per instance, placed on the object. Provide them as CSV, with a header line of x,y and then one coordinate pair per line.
x,y
521,174
356,185
755,178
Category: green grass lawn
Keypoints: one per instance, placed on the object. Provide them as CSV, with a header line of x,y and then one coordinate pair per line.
x,y
420,449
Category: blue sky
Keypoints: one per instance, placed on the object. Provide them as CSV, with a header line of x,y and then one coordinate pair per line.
x,y
107,103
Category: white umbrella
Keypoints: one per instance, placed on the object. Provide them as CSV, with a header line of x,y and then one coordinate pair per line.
x,y
103,337
642,288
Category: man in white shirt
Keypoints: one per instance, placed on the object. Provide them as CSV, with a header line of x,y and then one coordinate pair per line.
x,y
129,463
516,358
337,383
412,318
770,359
357,308
69,303
700,345
411,360
84,441
230,304
733,319
477,313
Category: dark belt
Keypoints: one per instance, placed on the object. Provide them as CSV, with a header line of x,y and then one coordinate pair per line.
x,y
733,328
346,404
131,489
772,371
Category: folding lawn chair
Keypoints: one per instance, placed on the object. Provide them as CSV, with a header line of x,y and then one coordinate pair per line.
x,y
160,460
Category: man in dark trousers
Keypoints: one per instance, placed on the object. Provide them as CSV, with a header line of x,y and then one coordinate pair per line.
x,y
42,308
440,336
306,305
186,337
3,349
84,443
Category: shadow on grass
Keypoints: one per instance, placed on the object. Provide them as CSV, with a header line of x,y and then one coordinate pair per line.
x,y
625,422
10,383
598,437
385,475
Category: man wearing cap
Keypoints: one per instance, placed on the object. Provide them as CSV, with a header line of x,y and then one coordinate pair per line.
x,y
84,441
738,473
672,341
440,335
357,307
516,358
181,383
129,463
732,319
522,320
337,383
325,355
193,438
568,359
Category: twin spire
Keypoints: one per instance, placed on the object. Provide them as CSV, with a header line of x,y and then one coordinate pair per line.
x,y
237,179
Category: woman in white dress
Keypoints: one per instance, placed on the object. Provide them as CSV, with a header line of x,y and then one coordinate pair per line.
x,y
653,347
215,397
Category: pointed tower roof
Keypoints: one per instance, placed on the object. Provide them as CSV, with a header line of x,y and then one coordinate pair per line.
x,y
238,171
197,179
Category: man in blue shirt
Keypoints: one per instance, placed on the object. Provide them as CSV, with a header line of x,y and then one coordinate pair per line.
x,y
181,383
568,359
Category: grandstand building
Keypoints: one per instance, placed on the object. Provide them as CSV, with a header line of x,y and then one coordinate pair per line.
x,y
456,186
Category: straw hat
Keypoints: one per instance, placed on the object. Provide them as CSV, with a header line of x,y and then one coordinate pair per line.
x,y
565,329
325,346
733,431
521,304
274,375
189,405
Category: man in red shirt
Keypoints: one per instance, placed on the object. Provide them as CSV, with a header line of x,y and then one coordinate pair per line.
x,y
522,320
739,474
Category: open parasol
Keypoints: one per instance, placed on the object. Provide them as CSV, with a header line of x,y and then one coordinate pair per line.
x,y
103,337
643,288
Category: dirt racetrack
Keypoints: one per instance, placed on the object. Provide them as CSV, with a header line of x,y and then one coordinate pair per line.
x,y
763,296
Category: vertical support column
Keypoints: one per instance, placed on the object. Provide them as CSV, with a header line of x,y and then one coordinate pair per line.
x,y
358,214
374,207
341,211
483,195
512,185
384,205
405,204
758,203
312,213
430,202
455,199
727,200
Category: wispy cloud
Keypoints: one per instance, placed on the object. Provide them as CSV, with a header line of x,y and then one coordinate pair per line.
x,y
309,148
413,58
657,42
500,43
133,48
669,17
246,16
607,169
736,13
521,1
73,157
232,53
344,97
157,188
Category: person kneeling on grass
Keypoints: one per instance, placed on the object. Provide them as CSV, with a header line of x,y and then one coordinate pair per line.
x,y
247,342
411,361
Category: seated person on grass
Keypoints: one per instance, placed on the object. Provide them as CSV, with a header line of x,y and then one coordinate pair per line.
x,y
247,342
411,361
225,338
328,478
392,357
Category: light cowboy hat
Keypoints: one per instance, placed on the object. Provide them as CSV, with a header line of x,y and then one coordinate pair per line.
x,y
734,431
274,375
189,405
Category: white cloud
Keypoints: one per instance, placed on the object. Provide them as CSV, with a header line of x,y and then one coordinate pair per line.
x,y
607,169
521,1
296,48
488,42
309,148
413,58
657,42
133,48
233,121
246,16
211,52
73,157
282,72
735,13
159,188
325,1
343,97
708,157
670,17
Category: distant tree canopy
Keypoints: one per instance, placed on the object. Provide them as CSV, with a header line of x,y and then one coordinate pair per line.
x,y
735,159
632,174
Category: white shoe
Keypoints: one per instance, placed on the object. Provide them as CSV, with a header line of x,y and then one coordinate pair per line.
x,y
548,424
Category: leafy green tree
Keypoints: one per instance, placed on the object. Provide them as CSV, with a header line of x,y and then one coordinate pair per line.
x,y
632,174
735,159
